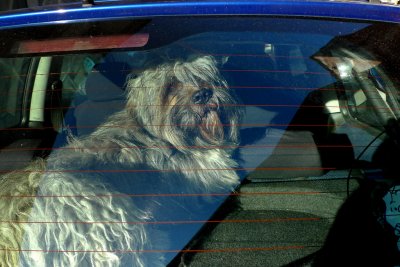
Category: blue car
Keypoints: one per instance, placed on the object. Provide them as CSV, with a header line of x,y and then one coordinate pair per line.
x,y
199,133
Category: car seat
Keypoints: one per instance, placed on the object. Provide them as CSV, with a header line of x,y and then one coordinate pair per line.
x,y
104,96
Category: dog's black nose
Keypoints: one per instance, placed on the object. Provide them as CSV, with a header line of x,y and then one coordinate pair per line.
x,y
202,96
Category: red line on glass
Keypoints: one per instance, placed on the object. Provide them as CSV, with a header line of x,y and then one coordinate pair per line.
x,y
280,88
243,194
167,222
297,106
199,125
160,171
279,71
295,146
222,250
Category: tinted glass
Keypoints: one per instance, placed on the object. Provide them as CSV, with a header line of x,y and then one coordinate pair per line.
x,y
13,79
224,141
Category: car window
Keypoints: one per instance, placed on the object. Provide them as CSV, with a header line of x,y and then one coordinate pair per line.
x,y
13,79
228,139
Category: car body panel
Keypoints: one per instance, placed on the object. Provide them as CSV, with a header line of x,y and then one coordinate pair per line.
x,y
75,13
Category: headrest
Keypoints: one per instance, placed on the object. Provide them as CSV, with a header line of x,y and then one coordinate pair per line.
x,y
106,81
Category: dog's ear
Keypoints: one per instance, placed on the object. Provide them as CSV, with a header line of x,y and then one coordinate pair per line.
x,y
145,92
131,87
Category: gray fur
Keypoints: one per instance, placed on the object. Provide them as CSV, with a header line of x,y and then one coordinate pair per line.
x,y
161,129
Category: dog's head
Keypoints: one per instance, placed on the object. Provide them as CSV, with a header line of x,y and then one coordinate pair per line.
x,y
185,103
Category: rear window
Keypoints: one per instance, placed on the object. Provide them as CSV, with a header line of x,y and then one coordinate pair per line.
x,y
224,141
13,79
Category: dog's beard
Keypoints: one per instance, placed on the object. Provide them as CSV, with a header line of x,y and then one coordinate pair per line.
x,y
200,124
211,127
219,118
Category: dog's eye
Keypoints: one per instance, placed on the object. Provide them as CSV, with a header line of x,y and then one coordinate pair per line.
x,y
202,96
171,86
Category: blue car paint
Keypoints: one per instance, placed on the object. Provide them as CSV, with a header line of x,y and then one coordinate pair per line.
x,y
74,13
356,11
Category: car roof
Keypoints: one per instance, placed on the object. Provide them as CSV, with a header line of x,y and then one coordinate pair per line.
x,y
107,9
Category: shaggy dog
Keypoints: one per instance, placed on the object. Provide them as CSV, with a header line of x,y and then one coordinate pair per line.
x,y
90,203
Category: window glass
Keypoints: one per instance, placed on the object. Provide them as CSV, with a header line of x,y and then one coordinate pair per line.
x,y
13,79
143,138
